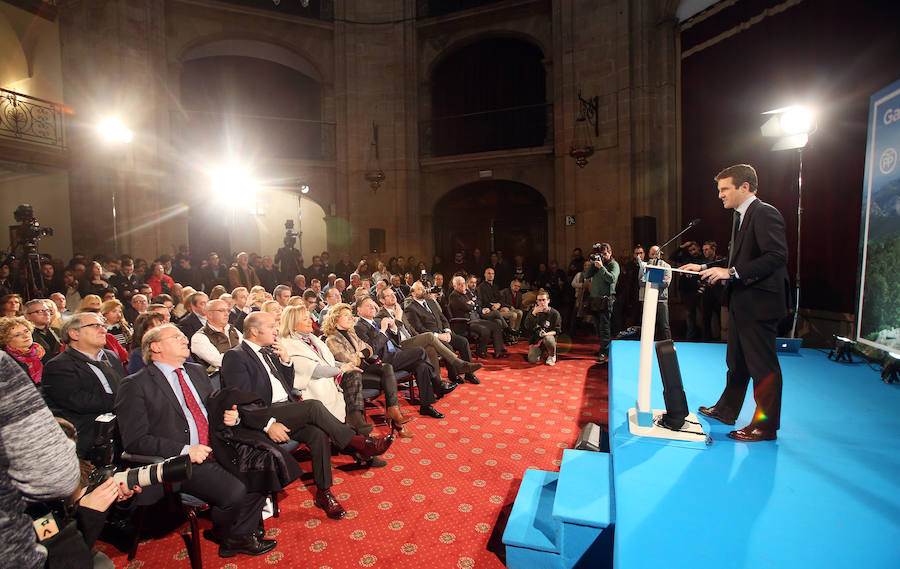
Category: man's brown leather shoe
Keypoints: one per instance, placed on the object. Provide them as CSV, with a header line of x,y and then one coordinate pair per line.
x,y
713,413
752,434
326,500
375,446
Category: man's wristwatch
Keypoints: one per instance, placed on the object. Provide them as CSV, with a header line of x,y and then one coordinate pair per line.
x,y
732,273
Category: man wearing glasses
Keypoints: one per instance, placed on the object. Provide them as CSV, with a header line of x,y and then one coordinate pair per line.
x,y
80,383
543,324
37,312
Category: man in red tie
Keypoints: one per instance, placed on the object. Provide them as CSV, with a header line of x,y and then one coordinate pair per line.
x,y
512,296
162,412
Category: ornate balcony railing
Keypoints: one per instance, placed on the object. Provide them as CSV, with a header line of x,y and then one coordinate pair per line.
x,y
28,118
502,129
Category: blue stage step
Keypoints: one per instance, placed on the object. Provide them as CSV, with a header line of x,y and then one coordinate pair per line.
x,y
563,520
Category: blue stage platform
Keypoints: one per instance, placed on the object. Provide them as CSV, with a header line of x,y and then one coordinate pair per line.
x,y
825,494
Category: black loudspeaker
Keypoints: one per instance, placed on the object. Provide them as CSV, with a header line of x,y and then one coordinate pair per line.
x,y
673,390
376,240
593,437
643,231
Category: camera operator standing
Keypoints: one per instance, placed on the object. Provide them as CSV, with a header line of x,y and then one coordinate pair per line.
x,y
603,272
544,324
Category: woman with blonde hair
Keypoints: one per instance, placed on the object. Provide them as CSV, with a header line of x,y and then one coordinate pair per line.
x,y
116,324
316,372
182,302
55,319
273,308
348,348
90,303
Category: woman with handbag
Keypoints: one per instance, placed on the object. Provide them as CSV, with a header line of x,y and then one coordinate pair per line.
x,y
348,348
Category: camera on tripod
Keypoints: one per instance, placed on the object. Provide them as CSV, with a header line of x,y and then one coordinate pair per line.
x,y
290,236
31,230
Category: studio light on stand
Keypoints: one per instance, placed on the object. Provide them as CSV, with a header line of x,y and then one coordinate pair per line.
x,y
791,127
113,132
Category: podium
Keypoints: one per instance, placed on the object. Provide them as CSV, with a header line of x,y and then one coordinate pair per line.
x,y
642,420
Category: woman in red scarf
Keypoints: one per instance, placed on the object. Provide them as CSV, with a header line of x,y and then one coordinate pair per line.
x,y
15,337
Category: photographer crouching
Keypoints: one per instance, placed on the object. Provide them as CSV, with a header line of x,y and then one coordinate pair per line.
x,y
603,272
543,324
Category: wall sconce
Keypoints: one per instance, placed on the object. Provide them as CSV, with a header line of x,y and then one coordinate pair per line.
x,y
374,174
582,146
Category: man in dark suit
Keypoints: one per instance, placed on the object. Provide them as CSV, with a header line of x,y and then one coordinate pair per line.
x,y
80,383
214,273
259,365
196,318
162,411
512,296
423,315
412,360
758,287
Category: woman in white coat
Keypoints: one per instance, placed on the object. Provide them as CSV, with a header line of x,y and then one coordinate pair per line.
x,y
315,369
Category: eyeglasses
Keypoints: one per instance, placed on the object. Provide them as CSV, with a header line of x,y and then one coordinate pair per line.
x,y
179,337
44,311
97,324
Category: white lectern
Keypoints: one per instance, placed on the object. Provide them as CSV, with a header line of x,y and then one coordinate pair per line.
x,y
642,420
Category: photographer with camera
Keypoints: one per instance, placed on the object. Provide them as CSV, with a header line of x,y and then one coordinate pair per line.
x,y
603,272
37,462
544,324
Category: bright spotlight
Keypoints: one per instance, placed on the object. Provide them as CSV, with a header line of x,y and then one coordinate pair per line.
x,y
790,125
304,189
233,183
112,130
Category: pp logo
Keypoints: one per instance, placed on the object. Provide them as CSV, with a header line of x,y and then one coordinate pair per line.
x,y
888,160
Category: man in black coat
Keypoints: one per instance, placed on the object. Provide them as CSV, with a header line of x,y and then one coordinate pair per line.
x,y
259,365
423,314
80,383
412,360
196,318
162,411
758,286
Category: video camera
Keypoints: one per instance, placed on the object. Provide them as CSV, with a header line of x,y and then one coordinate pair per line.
x,y
595,253
290,236
31,230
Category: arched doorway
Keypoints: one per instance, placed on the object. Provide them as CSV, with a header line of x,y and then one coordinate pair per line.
x,y
496,214
238,110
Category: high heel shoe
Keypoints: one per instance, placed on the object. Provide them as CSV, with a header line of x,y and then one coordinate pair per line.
x,y
393,413
400,430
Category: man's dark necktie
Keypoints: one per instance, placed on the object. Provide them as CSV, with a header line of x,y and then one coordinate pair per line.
x,y
194,407
735,224
267,357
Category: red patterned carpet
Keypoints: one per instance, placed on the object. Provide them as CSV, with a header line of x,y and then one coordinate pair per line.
x,y
444,497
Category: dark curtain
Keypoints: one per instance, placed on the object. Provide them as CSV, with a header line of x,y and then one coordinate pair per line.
x,y
832,54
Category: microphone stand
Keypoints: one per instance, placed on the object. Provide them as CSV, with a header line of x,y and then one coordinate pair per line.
x,y
677,235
